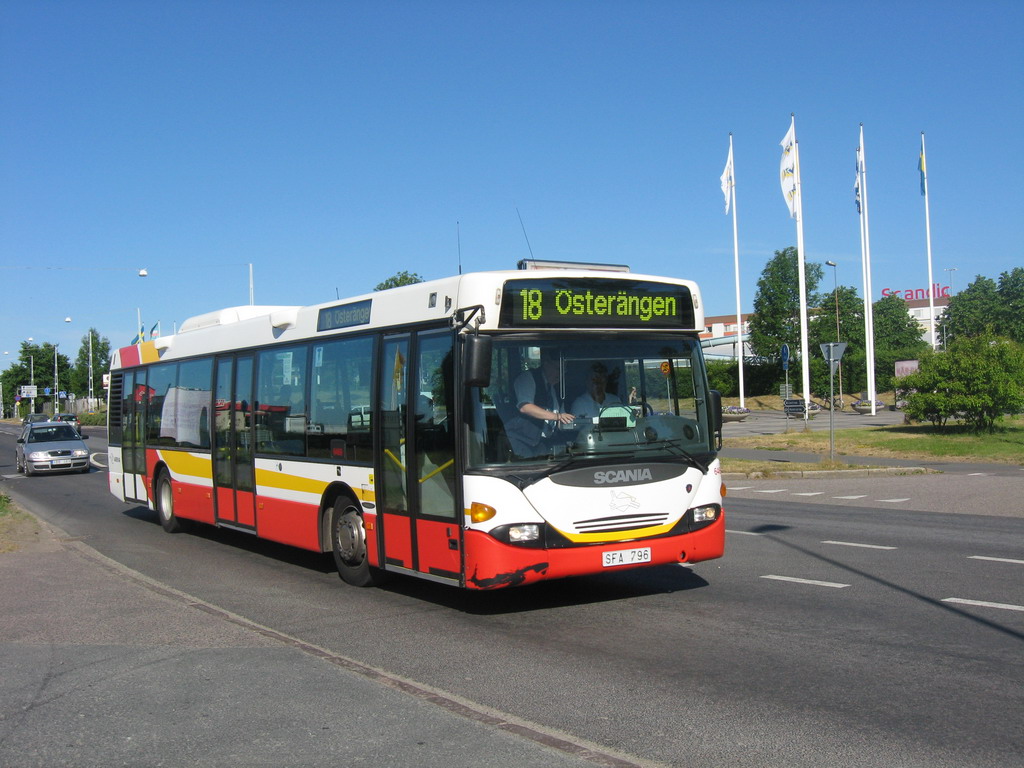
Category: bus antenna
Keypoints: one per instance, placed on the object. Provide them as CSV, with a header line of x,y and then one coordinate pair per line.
x,y
458,240
524,231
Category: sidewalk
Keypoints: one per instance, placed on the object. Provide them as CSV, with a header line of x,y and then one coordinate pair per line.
x,y
104,667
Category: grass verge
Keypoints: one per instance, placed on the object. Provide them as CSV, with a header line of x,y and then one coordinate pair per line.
x,y
916,441
16,527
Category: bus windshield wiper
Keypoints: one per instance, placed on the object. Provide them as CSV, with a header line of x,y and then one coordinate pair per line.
x,y
679,451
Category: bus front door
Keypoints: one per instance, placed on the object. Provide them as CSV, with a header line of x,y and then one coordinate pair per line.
x,y
415,460
233,473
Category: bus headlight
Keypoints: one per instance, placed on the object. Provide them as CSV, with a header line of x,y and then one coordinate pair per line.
x,y
523,532
705,514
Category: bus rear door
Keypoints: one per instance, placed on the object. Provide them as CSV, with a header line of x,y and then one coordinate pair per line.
x,y
233,473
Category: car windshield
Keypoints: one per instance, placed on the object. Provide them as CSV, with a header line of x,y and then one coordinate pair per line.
x,y
629,396
52,434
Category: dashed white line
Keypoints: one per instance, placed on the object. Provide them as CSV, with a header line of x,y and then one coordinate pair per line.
x,y
984,604
776,490
893,501
996,559
812,582
855,544
977,474
744,533
810,493
862,496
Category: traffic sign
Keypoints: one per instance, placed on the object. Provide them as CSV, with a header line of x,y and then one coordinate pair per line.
x,y
785,357
794,406
29,390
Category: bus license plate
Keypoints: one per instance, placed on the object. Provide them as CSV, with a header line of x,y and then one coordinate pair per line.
x,y
626,557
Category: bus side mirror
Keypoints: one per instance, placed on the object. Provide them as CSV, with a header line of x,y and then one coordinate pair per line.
x,y
477,360
715,412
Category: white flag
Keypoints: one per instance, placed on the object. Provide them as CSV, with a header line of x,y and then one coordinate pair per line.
x,y
727,180
787,168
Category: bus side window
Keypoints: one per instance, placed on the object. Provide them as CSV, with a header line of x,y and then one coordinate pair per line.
x,y
281,392
339,419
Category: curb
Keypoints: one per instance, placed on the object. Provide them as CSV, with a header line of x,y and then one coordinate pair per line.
x,y
830,473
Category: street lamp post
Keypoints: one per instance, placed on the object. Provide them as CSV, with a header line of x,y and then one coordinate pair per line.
x,y
951,270
835,292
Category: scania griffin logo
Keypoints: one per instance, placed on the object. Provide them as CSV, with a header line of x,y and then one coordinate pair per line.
x,y
609,476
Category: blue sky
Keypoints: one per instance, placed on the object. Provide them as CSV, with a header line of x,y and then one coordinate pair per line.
x,y
332,144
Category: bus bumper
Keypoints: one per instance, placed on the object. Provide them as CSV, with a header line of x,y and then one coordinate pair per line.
x,y
491,564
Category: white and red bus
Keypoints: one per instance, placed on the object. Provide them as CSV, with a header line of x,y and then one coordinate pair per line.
x,y
388,428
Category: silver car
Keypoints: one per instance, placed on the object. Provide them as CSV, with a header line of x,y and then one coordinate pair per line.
x,y
51,446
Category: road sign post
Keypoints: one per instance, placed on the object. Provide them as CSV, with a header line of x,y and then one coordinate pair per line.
x,y
833,352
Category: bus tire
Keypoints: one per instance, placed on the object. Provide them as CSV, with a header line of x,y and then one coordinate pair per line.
x,y
165,504
348,542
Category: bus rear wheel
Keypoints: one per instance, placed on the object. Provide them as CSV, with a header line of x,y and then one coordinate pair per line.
x,y
348,542
165,504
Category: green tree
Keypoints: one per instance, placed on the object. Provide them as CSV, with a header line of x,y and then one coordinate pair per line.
x,y
400,278
776,319
1011,299
35,363
972,311
822,329
975,380
79,376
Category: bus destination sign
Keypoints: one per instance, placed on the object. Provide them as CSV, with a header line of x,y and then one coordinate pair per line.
x,y
595,302
344,316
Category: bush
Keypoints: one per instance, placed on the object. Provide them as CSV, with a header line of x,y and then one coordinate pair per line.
x,y
976,380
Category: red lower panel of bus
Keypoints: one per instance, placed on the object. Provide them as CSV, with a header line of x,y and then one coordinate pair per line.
x,y
194,502
397,540
491,564
289,522
438,544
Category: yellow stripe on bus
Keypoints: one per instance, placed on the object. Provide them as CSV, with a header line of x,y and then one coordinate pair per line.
x,y
188,464
270,479
616,536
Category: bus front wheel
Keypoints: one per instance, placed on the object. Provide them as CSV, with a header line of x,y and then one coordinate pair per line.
x,y
348,541
165,504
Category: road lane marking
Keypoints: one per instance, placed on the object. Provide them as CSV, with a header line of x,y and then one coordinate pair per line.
x,y
863,495
812,582
894,501
984,604
854,544
740,487
776,490
977,474
744,533
811,493
996,559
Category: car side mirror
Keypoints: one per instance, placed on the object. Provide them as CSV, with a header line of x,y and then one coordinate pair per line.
x,y
21,439
84,437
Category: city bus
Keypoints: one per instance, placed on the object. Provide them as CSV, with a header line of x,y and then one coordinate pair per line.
x,y
388,429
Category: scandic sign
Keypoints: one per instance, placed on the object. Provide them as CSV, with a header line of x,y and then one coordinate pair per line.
x,y
909,294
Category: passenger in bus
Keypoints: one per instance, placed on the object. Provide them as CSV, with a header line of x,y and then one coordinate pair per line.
x,y
589,404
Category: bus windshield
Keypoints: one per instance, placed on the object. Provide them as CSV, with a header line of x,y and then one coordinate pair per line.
x,y
627,396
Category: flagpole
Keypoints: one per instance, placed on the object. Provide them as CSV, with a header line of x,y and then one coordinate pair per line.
x,y
804,355
736,262
928,238
789,177
869,311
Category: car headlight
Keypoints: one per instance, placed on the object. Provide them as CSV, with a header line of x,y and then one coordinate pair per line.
x,y
79,453
38,455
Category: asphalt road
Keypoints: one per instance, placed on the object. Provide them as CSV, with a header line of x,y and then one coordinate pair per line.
x,y
835,632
